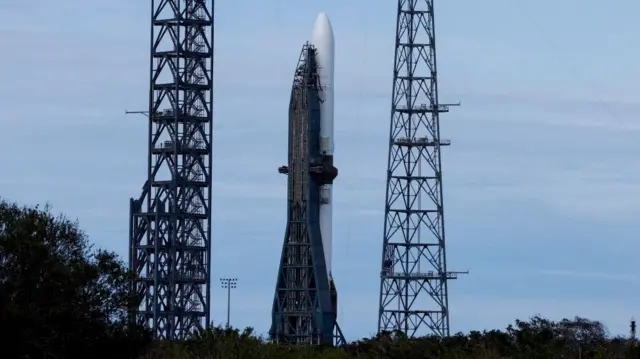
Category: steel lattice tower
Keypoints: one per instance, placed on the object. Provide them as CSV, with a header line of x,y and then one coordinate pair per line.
x,y
170,223
305,302
413,288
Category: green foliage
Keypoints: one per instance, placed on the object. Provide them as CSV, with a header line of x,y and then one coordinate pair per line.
x,y
61,299
58,297
577,338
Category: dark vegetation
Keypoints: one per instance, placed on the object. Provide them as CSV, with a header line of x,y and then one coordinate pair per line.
x,y
62,299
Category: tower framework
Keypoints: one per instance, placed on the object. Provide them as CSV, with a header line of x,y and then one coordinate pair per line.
x,y
413,277
305,302
170,223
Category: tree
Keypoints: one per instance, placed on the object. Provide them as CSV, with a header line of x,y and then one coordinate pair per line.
x,y
59,298
533,338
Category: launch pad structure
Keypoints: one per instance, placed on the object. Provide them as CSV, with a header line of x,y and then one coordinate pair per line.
x,y
413,278
170,223
305,303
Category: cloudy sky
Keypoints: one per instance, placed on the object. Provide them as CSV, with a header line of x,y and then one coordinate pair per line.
x,y
542,180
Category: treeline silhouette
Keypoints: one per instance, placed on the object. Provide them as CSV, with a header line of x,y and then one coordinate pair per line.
x,y
62,299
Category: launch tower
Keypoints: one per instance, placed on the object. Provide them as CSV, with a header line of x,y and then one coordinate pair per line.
x,y
413,288
305,303
170,223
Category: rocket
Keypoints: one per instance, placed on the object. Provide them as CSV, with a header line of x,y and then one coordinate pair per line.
x,y
323,41
311,174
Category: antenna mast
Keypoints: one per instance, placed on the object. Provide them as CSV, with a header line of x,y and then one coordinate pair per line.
x,y
413,279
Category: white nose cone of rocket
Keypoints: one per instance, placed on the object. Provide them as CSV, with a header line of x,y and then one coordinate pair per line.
x,y
323,41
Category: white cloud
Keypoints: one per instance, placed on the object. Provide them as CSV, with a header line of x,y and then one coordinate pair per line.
x,y
538,108
596,189
591,191
590,275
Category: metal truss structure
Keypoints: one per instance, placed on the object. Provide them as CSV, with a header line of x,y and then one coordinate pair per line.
x,y
170,223
413,277
305,303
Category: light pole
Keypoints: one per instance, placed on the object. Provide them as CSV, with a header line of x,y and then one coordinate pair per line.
x,y
228,284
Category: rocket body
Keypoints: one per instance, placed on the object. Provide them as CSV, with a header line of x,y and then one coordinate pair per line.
x,y
323,41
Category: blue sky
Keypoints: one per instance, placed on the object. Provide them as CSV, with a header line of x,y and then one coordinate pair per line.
x,y
541,181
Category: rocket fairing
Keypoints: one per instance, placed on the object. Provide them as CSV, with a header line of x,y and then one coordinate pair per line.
x,y
323,41
311,173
